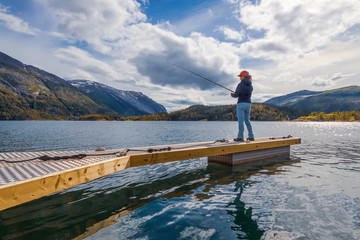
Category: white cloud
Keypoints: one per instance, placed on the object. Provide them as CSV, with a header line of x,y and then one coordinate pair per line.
x,y
293,28
301,45
203,55
306,43
333,66
231,34
119,29
99,23
322,81
85,63
14,23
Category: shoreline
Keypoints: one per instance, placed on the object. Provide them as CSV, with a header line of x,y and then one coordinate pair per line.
x,y
203,120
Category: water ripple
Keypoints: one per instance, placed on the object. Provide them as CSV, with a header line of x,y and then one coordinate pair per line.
x,y
313,195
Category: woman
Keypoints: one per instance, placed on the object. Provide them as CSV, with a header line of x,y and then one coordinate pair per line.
x,y
243,93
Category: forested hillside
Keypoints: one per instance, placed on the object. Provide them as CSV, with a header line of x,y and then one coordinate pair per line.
x,y
29,93
259,112
334,116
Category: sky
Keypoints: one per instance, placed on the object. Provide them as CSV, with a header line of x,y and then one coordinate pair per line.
x,y
286,46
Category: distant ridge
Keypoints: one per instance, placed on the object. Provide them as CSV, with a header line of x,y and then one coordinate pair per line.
x,y
336,100
288,99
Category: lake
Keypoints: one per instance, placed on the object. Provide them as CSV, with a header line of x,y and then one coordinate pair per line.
x,y
314,194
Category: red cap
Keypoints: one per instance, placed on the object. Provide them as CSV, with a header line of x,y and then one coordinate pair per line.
x,y
244,73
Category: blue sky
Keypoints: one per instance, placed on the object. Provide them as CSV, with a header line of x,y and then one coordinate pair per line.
x,y
287,46
172,10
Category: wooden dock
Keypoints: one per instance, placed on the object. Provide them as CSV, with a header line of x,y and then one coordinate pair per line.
x,y
24,176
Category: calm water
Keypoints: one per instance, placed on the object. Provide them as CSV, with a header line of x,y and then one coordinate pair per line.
x,y
313,195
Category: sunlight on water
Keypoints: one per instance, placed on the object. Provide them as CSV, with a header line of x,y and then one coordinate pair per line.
x,y
313,195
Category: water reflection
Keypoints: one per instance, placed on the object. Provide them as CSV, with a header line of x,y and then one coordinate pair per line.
x,y
245,226
82,212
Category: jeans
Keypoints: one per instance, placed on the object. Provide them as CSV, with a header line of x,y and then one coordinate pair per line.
x,y
243,114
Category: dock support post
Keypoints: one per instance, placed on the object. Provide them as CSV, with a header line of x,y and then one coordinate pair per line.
x,y
250,156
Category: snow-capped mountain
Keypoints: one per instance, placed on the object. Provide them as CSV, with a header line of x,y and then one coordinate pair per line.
x,y
126,103
288,99
335,100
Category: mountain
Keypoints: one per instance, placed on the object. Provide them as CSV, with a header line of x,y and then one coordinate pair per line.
x,y
29,93
336,100
125,103
290,98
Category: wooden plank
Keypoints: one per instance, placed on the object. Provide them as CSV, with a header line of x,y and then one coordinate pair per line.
x,y
13,194
25,191
206,151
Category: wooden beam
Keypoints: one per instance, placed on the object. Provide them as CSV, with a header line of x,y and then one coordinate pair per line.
x,y
176,155
25,191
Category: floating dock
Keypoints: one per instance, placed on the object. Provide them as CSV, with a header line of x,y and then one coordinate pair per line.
x,y
25,176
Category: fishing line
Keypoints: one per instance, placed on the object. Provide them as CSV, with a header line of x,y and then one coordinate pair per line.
x,y
201,77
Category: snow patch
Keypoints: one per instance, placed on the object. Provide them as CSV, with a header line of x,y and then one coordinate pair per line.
x,y
135,100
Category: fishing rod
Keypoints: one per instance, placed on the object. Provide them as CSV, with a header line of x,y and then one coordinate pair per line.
x,y
202,77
